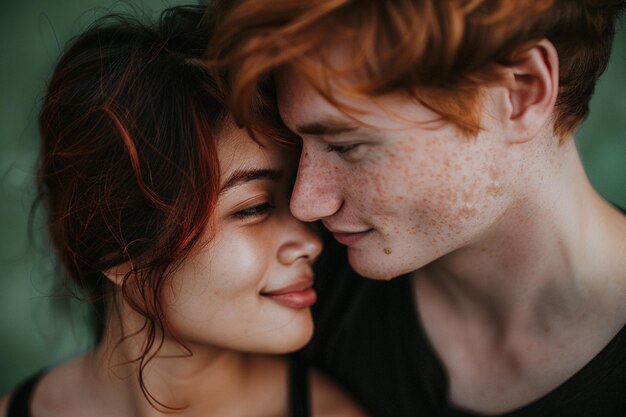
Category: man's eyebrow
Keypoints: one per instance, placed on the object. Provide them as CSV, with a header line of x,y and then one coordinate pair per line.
x,y
241,176
328,127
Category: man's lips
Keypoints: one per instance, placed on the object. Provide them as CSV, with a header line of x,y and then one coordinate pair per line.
x,y
298,295
349,237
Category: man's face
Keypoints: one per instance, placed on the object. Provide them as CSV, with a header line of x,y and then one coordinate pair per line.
x,y
392,182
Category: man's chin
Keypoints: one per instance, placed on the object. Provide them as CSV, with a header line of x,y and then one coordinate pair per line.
x,y
371,267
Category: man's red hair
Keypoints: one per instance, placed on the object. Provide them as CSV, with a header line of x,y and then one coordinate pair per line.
x,y
441,52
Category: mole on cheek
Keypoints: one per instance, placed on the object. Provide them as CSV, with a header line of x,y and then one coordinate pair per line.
x,y
387,251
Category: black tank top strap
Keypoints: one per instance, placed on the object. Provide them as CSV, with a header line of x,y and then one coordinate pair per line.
x,y
19,403
298,385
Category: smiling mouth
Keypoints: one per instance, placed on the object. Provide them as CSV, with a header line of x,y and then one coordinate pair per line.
x,y
351,238
297,296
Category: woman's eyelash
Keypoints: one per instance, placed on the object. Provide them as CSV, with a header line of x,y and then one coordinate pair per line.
x,y
254,211
340,148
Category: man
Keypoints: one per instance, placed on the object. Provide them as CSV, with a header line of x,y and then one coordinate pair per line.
x,y
437,148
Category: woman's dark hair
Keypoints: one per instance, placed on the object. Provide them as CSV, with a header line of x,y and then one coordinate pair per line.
x,y
128,172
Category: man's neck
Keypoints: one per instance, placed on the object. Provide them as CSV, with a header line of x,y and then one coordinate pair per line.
x,y
548,257
549,274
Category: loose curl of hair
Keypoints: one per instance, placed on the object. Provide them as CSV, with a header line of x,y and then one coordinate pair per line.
x,y
128,171
441,52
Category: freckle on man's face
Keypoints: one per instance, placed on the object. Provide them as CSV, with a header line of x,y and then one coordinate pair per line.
x,y
422,190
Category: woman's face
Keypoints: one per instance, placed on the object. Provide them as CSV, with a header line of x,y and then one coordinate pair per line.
x,y
249,287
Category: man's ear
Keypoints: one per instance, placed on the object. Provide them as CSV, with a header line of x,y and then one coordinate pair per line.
x,y
533,85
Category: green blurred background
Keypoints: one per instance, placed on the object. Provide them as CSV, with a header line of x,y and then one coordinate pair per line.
x,y
38,327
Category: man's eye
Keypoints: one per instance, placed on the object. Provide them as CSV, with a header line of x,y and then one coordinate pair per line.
x,y
254,211
340,149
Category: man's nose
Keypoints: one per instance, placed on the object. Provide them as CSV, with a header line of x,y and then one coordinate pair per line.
x,y
317,192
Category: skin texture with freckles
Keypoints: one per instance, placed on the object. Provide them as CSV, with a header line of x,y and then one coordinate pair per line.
x,y
511,254
418,188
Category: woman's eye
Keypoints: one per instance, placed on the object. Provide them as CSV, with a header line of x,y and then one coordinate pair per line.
x,y
340,149
254,211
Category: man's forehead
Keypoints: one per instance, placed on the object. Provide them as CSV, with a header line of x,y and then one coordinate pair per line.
x,y
306,112
298,101
288,81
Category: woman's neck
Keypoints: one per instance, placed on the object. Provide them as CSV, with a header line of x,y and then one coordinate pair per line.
x,y
191,380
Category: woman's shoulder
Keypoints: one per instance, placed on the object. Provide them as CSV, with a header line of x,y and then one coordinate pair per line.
x,y
46,393
4,405
18,402
331,400
327,398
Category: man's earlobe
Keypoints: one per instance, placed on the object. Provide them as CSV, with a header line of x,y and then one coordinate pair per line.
x,y
533,89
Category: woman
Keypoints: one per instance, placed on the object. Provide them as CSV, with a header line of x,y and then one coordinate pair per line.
x,y
177,224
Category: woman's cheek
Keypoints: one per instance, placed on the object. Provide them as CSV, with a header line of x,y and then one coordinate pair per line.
x,y
242,259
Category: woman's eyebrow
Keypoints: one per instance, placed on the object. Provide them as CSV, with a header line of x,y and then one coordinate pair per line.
x,y
241,176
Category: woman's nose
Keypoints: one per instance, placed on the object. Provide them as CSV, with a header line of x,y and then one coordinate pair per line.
x,y
302,243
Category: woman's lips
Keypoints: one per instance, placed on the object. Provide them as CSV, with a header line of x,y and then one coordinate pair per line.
x,y
295,296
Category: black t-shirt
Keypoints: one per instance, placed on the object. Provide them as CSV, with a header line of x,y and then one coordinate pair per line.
x,y
369,338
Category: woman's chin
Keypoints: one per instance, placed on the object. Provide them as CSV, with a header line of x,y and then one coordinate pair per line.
x,y
290,337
